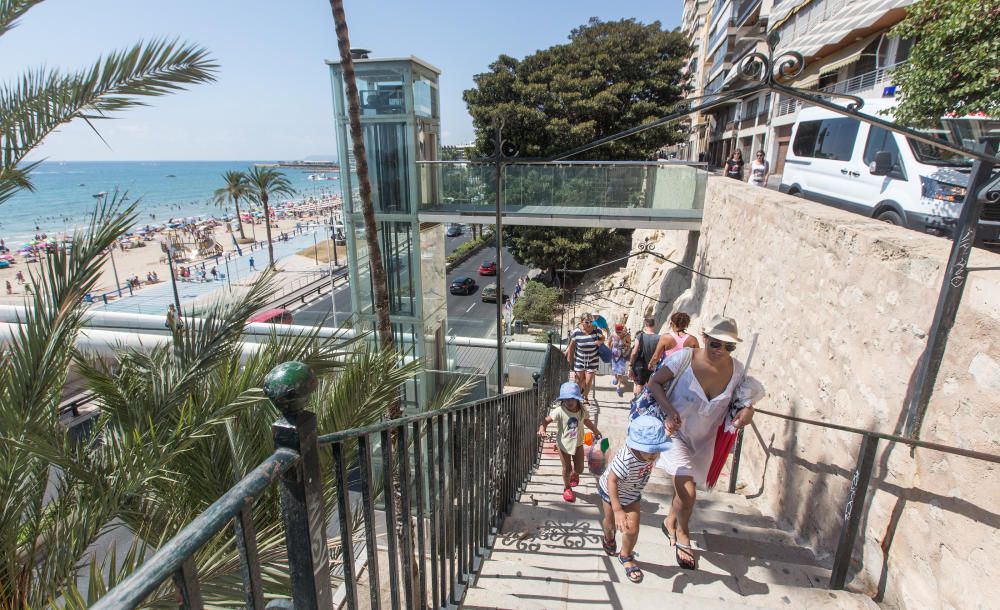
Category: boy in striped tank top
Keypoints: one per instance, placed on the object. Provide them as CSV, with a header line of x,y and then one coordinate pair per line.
x,y
621,485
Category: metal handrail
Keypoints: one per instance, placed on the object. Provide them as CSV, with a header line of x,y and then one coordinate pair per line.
x,y
894,438
859,482
389,424
169,559
459,499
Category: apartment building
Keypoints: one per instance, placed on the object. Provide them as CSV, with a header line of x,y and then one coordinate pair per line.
x,y
694,23
845,44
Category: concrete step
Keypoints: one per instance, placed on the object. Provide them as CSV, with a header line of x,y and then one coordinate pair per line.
x,y
599,581
548,553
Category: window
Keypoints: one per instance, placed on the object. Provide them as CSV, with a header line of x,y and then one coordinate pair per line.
x,y
881,140
805,138
826,139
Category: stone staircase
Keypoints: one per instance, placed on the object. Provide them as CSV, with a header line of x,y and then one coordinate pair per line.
x,y
548,554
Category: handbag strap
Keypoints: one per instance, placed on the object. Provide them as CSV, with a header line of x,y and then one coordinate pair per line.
x,y
685,364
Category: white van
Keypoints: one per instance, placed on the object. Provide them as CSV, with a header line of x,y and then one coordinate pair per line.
x,y
832,160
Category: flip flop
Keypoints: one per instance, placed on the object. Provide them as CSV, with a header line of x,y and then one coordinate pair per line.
x,y
666,532
610,547
687,564
634,573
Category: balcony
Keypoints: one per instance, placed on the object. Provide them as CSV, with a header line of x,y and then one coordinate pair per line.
x,y
863,82
786,105
745,10
724,30
852,86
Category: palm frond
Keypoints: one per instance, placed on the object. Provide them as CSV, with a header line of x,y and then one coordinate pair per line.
x,y
42,99
12,10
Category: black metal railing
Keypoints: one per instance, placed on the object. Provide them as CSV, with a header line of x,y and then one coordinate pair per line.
x,y
857,491
454,473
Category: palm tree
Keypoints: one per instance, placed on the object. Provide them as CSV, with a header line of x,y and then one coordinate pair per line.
x,y
236,188
264,182
42,99
178,424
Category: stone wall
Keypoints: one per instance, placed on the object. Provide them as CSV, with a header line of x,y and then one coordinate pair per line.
x,y
840,306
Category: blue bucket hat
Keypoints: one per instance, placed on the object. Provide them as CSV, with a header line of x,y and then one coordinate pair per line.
x,y
570,390
646,433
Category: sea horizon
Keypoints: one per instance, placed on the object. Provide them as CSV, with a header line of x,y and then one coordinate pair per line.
x,y
65,191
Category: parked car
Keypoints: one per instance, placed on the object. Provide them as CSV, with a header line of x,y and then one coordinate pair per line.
x,y
488,268
272,316
453,230
869,170
489,294
463,285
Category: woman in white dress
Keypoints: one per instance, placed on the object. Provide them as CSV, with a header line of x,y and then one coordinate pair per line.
x,y
698,403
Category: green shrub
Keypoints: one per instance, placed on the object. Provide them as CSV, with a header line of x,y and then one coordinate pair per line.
x,y
465,247
537,303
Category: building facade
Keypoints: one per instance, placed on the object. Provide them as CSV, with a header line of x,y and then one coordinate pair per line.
x,y
846,45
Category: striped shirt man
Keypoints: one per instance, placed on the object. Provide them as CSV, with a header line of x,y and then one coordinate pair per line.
x,y
632,474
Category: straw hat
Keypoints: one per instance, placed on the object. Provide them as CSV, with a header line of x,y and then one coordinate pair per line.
x,y
723,329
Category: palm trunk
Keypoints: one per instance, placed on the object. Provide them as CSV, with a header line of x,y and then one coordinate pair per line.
x,y
381,294
267,227
364,187
239,221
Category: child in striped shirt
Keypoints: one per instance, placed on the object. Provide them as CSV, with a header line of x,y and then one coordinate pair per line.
x,y
620,488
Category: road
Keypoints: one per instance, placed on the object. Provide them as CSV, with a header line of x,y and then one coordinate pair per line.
x,y
468,316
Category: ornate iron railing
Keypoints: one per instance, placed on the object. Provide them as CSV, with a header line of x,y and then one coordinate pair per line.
x,y
455,473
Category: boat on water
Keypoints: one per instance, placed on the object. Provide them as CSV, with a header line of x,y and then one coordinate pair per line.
x,y
321,177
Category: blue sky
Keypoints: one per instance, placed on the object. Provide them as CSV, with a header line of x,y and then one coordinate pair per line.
x,y
272,99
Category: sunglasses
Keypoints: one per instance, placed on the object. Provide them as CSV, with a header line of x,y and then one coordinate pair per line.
x,y
730,347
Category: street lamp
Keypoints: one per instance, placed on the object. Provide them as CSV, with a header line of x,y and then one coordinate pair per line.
x,y
169,249
111,251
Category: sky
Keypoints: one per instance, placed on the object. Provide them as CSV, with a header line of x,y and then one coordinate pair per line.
x,y
272,98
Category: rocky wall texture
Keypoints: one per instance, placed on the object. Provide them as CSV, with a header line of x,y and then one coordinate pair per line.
x,y
840,306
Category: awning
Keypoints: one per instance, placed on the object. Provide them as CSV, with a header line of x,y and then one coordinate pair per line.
x,y
832,62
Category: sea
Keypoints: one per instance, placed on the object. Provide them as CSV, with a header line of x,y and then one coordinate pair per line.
x,y
64,196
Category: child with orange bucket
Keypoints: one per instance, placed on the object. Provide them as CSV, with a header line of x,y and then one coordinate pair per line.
x,y
570,417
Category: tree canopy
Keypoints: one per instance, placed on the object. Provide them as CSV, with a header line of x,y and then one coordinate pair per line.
x,y
609,77
954,66
552,248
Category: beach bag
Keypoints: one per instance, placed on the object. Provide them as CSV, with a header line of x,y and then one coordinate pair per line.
x,y
596,456
604,353
645,404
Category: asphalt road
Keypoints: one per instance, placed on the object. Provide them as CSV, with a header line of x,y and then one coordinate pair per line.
x,y
468,315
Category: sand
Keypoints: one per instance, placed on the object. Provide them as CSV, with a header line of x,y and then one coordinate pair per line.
x,y
138,261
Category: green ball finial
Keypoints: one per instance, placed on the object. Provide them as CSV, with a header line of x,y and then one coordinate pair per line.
x,y
289,385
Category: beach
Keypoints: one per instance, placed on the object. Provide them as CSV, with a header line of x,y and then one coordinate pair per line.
x,y
138,261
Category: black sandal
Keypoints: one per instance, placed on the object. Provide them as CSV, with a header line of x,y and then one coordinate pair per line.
x,y
634,573
687,564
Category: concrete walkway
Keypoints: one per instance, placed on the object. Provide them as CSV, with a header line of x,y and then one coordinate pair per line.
x,y
548,554
155,299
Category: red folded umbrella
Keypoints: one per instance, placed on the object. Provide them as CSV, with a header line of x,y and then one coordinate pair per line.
x,y
724,442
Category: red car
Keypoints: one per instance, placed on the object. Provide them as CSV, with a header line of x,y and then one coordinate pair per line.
x,y
488,268
272,316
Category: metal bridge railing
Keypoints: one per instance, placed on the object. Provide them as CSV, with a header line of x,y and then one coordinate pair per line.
x,y
460,470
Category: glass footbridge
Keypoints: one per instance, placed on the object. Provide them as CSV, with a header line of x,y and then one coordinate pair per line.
x,y
611,194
